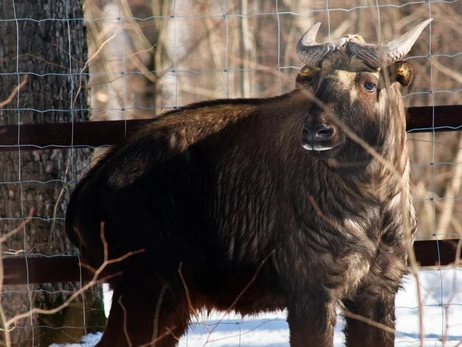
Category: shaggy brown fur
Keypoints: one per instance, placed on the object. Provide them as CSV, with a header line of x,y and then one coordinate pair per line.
x,y
232,211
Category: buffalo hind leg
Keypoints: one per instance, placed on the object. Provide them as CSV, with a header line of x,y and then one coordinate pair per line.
x,y
132,320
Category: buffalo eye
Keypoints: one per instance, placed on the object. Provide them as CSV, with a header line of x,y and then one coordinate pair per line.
x,y
370,87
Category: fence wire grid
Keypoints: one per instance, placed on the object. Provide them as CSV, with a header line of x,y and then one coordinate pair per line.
x,y
148,56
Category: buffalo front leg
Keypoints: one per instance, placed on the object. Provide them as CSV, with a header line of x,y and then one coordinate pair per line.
x,y
370,320
154,318
311,321
370,315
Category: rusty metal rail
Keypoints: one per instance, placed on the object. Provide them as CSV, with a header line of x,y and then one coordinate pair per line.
x,y
93,134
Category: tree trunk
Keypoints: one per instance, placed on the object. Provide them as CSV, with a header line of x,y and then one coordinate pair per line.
x,y
43,46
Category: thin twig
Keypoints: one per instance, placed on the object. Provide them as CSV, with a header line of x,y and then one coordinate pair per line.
x,y
155,330
238,297
368,321
94,281
3,320
322,215
15,91
127,335
188,297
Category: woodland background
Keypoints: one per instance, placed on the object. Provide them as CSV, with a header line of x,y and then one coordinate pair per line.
x,y
137,58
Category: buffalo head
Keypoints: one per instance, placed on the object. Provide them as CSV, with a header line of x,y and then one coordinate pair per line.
x,y
353,86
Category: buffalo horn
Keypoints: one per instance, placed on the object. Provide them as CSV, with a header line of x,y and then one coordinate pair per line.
x,y
389,53
397,49
312,53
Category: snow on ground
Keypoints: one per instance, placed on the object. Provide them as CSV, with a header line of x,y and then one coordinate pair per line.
x,y
87,341
441,293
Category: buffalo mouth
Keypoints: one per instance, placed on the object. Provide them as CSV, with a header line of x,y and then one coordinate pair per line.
x,y
322,150
315,146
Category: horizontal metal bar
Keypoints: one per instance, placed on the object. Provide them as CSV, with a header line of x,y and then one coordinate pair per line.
x,y
65,135
434,118
94,134
42,269
35,269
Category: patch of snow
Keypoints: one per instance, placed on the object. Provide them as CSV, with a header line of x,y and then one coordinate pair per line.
x,y
89,340
441,294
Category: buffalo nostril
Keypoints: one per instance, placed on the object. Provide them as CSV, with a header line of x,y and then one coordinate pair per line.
x,y
324,132
319,133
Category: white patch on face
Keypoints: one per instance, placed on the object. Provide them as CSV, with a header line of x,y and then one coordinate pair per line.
x,y
347,81
383,101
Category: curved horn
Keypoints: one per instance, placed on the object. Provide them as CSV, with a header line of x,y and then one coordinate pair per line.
x,y
310,52
389,53
395,50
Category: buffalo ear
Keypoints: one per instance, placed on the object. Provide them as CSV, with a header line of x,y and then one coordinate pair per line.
x,y
305,76
402,73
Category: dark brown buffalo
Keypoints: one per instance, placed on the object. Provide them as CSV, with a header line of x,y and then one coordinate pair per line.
x,y
261,204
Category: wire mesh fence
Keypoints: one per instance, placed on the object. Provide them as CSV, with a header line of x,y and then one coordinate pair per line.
x,y
146,57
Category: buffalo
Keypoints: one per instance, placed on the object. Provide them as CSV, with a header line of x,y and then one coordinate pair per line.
x,y
298,201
